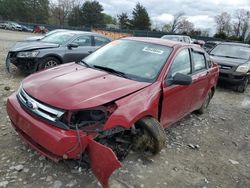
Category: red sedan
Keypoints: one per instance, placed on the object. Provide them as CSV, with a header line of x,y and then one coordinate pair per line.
x,y
123,94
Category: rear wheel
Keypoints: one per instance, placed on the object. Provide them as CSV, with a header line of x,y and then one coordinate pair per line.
x,y
150,136
243,86
48,62
205,104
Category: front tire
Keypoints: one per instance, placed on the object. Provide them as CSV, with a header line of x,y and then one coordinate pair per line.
x,y
48,62
150,135
243,86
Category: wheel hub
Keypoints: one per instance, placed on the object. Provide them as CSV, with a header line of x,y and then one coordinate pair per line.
x,y
50,63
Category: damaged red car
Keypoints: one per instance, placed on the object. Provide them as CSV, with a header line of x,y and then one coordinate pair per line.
x,y
121,96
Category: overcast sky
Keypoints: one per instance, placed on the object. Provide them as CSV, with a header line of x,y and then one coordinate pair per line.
x,y
199,12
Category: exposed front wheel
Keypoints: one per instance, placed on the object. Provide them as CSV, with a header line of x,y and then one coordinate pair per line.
x,y
150,135
48,62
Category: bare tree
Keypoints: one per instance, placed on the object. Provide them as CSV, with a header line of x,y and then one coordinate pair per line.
x,y
184,26
204,32
245,26
167,28
176,21
223,23
60,10
241,25
239,14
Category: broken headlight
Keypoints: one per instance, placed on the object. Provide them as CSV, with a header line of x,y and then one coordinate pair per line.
x,y
85,117
28,54
89,119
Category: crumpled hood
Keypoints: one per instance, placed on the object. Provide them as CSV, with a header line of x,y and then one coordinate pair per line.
x,y
72,86
32,45
228,61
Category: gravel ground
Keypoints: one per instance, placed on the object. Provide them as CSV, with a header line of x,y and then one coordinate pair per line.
x,y
210,150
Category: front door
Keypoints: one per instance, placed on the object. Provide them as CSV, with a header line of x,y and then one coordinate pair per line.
x,y
85,47
176,98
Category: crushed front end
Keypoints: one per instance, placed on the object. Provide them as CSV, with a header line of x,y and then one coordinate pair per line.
x,y
27,65
60,134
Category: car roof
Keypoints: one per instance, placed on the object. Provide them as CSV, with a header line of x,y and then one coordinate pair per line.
x,y
59,30
160,41
76,32
71,31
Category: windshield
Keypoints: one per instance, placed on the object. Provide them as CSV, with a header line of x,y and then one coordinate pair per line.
x,y
54,31
137,60
233,51
58,38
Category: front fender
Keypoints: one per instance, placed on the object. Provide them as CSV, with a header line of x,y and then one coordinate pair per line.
x,y
135,106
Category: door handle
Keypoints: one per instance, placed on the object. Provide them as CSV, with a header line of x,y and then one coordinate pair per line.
x,y
90,52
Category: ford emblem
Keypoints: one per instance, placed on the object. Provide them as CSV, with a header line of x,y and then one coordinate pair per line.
x,y
30,104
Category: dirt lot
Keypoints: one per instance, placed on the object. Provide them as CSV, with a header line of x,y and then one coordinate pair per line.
x,y
222,158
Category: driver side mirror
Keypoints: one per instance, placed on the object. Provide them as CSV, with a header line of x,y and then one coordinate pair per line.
x,y
180,79
72,45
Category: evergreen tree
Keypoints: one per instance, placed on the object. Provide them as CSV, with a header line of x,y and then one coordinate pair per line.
x,y
92,14
25,10
123,20
140,18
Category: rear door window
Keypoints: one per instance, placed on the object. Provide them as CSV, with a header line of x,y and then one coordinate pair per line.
x,y
199,61
100,41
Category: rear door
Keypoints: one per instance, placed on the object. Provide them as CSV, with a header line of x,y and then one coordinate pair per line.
x,y
100,41
200,77
176,98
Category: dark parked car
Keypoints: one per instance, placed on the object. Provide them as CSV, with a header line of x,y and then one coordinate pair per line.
x,y
26,29
209,45
55,49
123,94
234,62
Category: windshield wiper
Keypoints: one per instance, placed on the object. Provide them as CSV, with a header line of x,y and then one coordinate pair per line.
x,y
110,70
84,63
